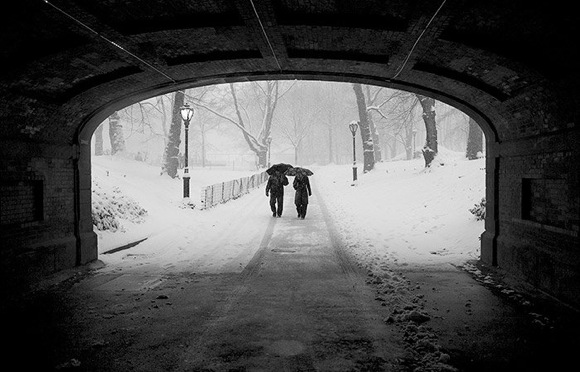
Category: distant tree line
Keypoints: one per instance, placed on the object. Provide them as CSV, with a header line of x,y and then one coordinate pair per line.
x,y
308,119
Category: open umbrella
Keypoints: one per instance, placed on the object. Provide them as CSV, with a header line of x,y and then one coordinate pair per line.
x,y
280,167
295,171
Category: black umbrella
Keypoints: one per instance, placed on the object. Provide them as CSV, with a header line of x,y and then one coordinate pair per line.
x,y
280,167
295,171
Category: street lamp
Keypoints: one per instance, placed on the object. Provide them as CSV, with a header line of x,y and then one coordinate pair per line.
x,y
269,141
353,126
186,115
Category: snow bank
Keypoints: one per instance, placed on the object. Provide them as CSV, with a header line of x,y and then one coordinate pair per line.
x,y
407,214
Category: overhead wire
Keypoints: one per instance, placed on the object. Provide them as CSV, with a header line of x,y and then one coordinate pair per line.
x,y
417,41
114,44
265,35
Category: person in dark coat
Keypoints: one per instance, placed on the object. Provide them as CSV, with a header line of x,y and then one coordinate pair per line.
x,y
275,189
302,186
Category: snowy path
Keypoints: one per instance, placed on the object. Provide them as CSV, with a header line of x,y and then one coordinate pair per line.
x,y
299,305
211,241
397,215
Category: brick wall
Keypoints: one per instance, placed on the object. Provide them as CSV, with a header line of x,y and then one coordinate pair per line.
x,y
38,209
538,216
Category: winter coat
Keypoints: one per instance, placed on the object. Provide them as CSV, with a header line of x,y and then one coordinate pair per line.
x,y
302,186
276,183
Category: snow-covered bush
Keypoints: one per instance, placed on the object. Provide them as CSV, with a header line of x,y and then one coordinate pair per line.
x,y
110,206
104,217
479,210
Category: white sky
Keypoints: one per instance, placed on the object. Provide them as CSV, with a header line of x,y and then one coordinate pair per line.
x,y
399,213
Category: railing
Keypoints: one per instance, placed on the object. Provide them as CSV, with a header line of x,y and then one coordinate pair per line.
x,y
220,193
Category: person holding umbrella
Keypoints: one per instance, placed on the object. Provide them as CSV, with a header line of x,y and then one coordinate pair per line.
x,y
275,188
302,186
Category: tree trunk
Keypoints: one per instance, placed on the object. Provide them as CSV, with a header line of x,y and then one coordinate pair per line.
x,y
99,140
262,158
271,101
375,136
295,155
474,141
171,159
258,145
116,134
365,132
409,151
394,147
374,131
430,148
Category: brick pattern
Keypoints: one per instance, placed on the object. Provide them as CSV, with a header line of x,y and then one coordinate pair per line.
x,y
20,202
38,171
546,201
540,188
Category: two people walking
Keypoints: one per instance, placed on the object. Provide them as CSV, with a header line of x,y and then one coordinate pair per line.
x,y
275,189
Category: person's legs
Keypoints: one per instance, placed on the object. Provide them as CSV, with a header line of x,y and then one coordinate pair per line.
x,y
280,204
304,207
273,204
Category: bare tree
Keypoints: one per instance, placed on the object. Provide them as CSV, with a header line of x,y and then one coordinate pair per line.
x,y
474,140
395,111
334,104
116,134
147,122
268,96
297,128
371,99
365,130
99,140
170,158
430,148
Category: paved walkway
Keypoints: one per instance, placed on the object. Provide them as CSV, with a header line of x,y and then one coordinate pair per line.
x,y
300,304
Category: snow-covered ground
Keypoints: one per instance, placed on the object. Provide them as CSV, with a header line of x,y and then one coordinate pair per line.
x,y
399,212
405,213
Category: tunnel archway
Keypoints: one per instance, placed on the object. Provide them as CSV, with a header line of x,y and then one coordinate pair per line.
x,y
195,173
86,130
71,64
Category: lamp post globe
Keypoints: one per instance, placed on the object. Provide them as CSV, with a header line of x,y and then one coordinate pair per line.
x,y
353,126
186,114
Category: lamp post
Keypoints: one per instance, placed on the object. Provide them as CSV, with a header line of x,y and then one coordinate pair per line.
x,y
353,126
186,115
269,141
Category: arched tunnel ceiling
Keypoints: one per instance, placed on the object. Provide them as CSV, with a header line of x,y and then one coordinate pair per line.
x,y
54,51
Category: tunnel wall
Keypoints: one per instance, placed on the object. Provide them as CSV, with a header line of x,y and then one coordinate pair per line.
x,y
538,220
40,234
